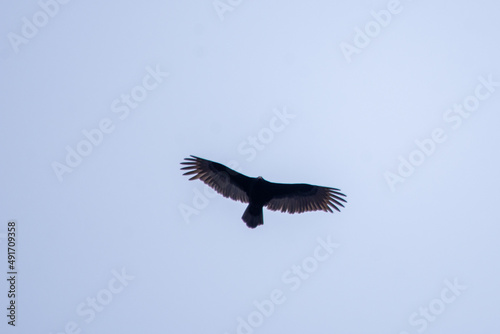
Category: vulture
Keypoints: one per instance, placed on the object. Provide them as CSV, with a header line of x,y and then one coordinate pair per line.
x,y
257,192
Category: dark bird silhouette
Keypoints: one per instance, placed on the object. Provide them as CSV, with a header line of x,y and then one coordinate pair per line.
x,y
257,192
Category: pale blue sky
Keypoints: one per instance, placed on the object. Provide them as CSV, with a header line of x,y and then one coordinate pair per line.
x,y
396,103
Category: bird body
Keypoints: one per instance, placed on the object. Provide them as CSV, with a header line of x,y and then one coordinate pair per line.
x,y
257,192
259,196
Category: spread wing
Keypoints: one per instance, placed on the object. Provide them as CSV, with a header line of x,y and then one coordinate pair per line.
x,y
224,180
297,198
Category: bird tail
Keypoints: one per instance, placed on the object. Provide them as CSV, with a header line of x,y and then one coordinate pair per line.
x,y
253,216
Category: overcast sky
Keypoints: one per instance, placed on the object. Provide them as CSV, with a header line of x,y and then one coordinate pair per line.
x,y
394,102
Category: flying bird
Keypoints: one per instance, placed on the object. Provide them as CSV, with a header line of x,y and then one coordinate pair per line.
x,y
257,192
